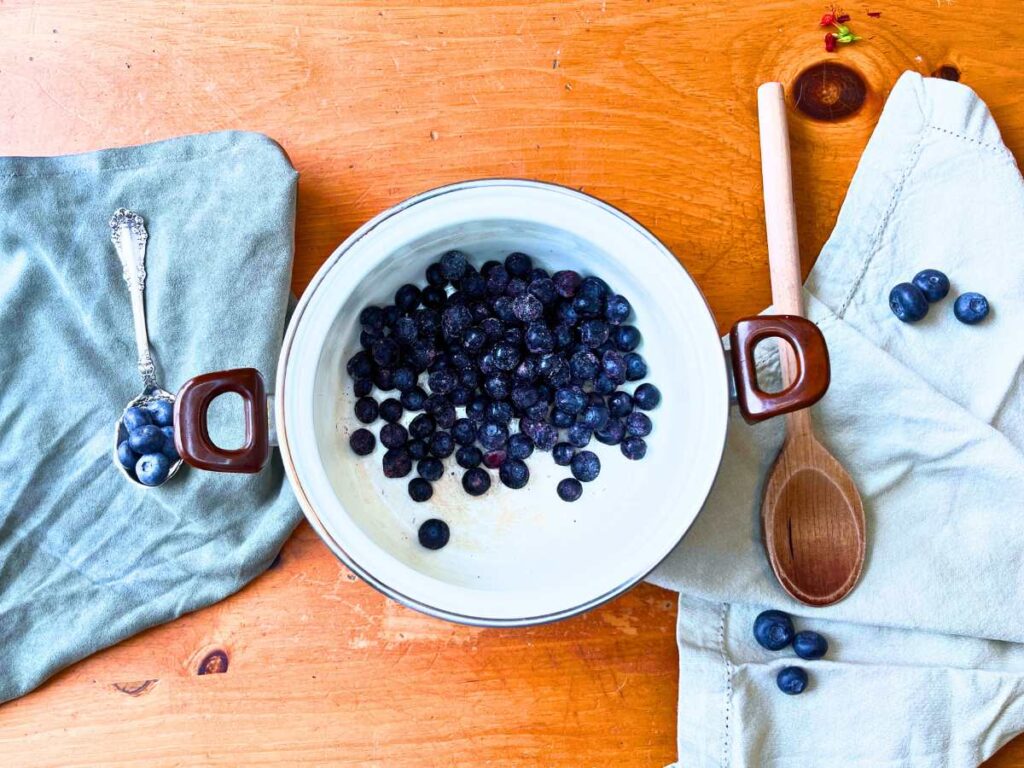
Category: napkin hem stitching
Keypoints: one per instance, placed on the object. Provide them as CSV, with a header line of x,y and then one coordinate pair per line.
x,y
999,150
728,683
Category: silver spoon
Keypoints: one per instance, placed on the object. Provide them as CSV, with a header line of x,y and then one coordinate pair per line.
x,y
129,236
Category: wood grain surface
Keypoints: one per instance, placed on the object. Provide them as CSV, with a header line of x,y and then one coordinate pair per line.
x,y
649,105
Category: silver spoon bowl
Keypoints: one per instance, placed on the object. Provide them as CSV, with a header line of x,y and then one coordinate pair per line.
x,y
129,236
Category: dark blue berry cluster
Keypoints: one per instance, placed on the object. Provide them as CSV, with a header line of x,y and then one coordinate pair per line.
x,y
774,630
497,363
145,445
909,301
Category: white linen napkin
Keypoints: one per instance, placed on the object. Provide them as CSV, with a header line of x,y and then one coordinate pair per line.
x,y
926,664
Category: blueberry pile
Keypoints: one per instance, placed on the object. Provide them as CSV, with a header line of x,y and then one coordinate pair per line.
x,y
496,364
774,630
909,301
145,445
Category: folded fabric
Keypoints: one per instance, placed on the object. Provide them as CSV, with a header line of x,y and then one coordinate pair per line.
x,y
87,557
926,666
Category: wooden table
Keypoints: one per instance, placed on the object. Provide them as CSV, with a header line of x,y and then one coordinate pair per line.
x,y
649,105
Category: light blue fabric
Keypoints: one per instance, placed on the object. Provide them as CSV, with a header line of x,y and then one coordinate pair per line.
x,y
86,557
926,668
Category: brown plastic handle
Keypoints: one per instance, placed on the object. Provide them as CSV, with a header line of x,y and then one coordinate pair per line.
x,y
811,381
192,435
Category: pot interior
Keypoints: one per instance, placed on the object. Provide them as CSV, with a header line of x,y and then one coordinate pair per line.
x,y
515,556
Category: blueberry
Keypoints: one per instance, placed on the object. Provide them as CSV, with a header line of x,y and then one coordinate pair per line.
x,y
390,410
564,336
810,645
170,450
366,410
595,416
499,411
407,298
413,399
566,282
636,366
792,680
488,365
585,466
152,468
468,379
594,285
435,275
360,365
593,333
383,378
473,285
128,457
933,284
362,387
544,289
421,354
391,315
611,433
476,409
420,489
633,448
773,630
538,410
428,322
569,489
405,329
372,317
430,468
506,356
613,363
146,439
524,396
397,462
494,459
527,307
595,399
583,365
626,338
562,419
566,314
453,265
161,412
367,337
468,456
617,310
545,437
555,370
646,397
539,339
518,264
587,305
562,453
499,387
638,424
393,435
455,320
422,426
476,481
136,417
514,473
603,385
362,442
434,534
385,352
579,435
620,404
516,287
492,436
519,446
539,273
403,378
503,310
441,444
418,449
570,400
908,302
473,339
464,432
497,280
442,410
970,308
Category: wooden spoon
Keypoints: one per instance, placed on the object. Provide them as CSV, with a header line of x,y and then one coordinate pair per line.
x,y
812,516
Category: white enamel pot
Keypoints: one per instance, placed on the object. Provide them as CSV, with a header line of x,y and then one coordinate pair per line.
x,y
523,557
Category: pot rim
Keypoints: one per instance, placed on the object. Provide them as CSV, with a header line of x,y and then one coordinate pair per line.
x,y
308,507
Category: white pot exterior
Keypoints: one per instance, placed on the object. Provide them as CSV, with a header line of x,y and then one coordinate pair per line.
x,y
515,557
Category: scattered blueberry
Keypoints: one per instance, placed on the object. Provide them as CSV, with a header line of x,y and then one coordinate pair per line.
x,y
366,410
933,284
579,435
397,462
390,410
453,265
441,444
569,489
430,468
518,264
810,645
792,680
617,310
422,426
620,404
418,449
595,416
611,433
647,397
562,453
464,432
773,630
519,446
593,333
413,399
476,481
562,419
908,302
362,442
970,308
638,424
634,448
566,282
128,457
434,534
636,367
420,489
152,468
585,466
161,412
393,435
362,387
492,435
136,417
146,439
468,456
514,473
545,437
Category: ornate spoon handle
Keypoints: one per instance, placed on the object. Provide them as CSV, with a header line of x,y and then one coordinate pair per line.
x,y
129,236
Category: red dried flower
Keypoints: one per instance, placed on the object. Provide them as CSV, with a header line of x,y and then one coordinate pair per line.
x,y
828,19
830,42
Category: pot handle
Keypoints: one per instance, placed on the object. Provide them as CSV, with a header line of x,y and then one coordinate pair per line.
x,y
191,432
812,377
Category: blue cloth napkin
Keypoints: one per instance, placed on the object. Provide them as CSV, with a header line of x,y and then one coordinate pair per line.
x,y
87,558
